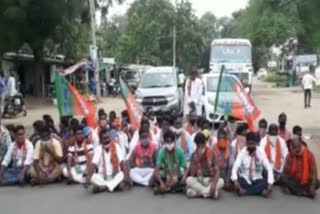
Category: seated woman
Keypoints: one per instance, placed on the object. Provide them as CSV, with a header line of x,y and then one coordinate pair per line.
x,y
171,164
300,171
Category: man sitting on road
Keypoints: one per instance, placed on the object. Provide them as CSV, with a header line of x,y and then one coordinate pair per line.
x,y
47,159
240,142
247,171
276,150
170,168
108,169
79,157
18,159
183,139
91,136
5,142
122,137
263,126
192,127
204,175
224,158
283,131
300,176
143,159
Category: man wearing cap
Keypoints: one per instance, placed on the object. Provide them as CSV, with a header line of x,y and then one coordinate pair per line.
x,y
193,94
91,137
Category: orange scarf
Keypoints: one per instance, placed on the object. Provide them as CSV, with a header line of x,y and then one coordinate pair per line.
x,y
114,159
277,163
226,155
192,129
15,153
196,170
305,161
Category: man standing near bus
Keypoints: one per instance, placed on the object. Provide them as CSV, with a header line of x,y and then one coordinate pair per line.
x,y
193,94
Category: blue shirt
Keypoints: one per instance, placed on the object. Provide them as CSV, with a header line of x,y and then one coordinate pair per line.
x,y
190,146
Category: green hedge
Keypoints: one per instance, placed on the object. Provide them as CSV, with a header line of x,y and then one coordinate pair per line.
x,y
276,78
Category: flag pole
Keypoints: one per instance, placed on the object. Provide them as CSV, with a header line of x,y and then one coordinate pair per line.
x,y
217,95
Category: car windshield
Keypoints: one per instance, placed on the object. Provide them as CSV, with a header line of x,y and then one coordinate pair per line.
x,y
212,85
157,80
229,53
243,77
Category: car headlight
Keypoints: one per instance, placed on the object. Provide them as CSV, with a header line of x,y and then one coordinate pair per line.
x,y
211,100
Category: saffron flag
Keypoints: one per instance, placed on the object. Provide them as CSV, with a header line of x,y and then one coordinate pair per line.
x,y
134,110
73,68
71,102
232,100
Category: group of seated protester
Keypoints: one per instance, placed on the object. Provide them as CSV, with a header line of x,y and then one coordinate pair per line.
x,y
165,155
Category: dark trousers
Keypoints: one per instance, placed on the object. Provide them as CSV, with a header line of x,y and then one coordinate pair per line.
x,y
295,187
11,176
256,188
307,97
174,189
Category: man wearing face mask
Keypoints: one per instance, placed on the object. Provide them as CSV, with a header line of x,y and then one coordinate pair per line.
x,y
283,131
300,176
79,157
204,175
171,163
247,171
108,169
143,159
192,127
183,139
262,131
47,159
224,158
240,142
276,150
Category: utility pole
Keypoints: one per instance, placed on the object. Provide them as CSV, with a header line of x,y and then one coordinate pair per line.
x,y
175,39
94,48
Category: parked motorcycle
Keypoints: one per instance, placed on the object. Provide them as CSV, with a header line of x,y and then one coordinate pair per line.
x,y
14,106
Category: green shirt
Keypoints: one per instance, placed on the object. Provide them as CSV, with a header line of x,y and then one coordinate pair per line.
x,y
161,161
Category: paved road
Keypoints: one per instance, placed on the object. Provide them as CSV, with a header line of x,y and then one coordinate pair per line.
x,y
59,198
74,199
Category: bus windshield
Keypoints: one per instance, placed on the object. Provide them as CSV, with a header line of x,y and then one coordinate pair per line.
x,y
227,53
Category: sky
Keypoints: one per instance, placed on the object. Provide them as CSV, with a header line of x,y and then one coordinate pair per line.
x,y
218,7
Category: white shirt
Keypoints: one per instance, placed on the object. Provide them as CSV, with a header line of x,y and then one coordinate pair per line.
x,y
308,81
242,166
123,143
182,78
98,161
94,139
284,151
10,153
12,86
196,91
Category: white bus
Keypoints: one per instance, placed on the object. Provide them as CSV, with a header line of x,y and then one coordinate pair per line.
x,y
236,56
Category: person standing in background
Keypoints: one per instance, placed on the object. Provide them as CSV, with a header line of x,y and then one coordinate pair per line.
x,y
193,94
307,83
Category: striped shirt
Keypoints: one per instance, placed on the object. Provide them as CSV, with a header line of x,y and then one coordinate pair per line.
x,y
80,153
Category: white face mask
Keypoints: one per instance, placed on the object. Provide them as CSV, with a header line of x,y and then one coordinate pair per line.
x,y
295,136
170,146
273,139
